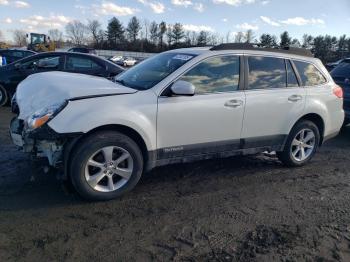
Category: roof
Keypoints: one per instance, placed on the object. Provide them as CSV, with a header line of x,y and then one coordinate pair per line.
x,y
249,49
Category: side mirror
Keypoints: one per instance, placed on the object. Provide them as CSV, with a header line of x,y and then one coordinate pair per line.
x,y
18,66
183,88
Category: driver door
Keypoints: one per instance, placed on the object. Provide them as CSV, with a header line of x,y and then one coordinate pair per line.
x,y
208,122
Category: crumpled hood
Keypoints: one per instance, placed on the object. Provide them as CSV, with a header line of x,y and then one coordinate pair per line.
x,y
46,89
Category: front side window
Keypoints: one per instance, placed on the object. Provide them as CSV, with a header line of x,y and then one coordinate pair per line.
x,y
153,70
309,74
81,63
51,62
215,74
266,72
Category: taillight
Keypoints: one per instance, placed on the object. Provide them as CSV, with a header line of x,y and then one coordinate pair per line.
x,y
338,91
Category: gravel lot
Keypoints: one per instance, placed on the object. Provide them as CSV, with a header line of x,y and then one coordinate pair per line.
x,y
237,209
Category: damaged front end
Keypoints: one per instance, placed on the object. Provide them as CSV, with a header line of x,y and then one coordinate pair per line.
x,y
41,143
35,136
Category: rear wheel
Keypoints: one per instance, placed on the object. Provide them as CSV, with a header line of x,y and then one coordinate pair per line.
x,y
3,96
301,145
106,165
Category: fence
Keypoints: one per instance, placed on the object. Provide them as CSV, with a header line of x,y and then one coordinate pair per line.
x,y
109,53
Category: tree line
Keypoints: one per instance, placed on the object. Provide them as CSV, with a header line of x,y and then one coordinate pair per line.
x,y
145,36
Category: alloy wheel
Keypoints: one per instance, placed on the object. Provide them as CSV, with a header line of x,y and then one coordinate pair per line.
x,y
303,145
109,169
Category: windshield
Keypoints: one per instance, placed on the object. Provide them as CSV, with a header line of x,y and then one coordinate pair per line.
x,y
153,70
343,69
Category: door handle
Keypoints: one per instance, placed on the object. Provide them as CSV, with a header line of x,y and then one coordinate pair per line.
x,y
234,103
295,98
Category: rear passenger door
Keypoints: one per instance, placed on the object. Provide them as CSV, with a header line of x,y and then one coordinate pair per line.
x,y
274,101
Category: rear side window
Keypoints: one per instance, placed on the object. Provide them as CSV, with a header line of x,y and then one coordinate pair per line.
x,y
81,63
266,72
216,74
309,74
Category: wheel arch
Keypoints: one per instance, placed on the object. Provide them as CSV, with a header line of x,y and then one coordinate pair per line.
x,y
317,120
128,131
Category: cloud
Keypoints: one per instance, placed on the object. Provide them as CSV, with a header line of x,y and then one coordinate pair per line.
x,y
302,21
109,8
53,21
265,2
198,28
269,21
246,26
157,7
8,20
233,2
184,3
225,20
4,2
21,4
199,7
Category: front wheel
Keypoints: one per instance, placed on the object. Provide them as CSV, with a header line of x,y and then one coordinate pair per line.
x,y
3,96
106,165
301,144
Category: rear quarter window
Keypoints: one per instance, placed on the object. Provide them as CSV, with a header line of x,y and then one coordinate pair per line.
x,y
309,74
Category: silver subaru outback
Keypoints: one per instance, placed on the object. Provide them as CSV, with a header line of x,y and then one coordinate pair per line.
x,y
178,106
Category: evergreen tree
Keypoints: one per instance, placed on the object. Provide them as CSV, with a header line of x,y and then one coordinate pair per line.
x,y
115,31
286,40
177,33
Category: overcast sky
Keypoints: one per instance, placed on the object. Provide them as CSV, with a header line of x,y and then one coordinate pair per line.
x,y
273,16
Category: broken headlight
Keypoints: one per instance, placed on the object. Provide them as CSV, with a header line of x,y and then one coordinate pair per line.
x,y
41,117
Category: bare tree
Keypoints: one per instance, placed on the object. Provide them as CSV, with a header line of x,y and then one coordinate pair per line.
x,y
94,28
249,36
19,38
145,27
77,32
2,38
56,36
153,29
239,37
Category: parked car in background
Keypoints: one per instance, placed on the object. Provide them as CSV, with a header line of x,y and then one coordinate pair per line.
x,y
179,106
129,61
341,75
116,58
8,56
331,66
11,75
84,50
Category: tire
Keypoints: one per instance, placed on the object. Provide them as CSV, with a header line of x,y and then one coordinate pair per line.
x,y
3,96
95,172
292,155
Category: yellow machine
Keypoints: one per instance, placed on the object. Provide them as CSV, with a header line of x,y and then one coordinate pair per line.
x,y
4,46
40,43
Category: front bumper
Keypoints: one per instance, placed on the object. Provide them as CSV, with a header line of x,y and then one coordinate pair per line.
x,y
39,143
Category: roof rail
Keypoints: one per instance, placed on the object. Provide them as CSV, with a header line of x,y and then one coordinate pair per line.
x,y
260,47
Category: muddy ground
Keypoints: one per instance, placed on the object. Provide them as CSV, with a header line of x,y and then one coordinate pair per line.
x,y
238,209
